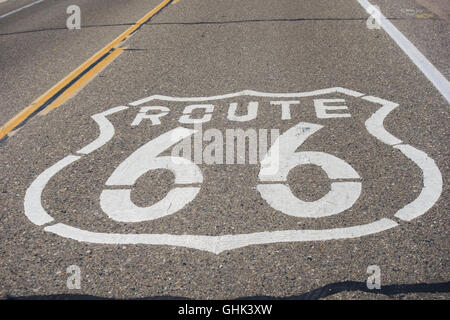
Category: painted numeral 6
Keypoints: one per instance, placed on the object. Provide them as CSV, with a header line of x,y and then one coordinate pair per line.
x,y
117,204
282,158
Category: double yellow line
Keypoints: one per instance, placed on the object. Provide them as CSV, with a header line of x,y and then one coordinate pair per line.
x,y
64,89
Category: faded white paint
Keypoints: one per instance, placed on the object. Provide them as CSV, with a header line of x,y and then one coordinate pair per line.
x,y
32,203
427,68
218,244
432,184
106,130
282,158
20,9
154,118
252,111
117,204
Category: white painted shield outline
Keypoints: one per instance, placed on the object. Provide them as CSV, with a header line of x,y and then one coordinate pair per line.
x,y
431,191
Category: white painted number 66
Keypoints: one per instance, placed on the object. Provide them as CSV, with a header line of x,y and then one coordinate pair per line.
x,y
280,159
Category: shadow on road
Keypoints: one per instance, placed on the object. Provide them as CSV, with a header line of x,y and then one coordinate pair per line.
x,y
319,293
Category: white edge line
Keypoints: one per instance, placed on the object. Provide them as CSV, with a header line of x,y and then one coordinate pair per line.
x,y
20,9
427,68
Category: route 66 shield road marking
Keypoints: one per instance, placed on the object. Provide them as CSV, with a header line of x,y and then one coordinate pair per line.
x,y
273,188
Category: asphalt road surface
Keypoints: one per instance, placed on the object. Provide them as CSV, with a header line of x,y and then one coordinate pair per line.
x,y
214,149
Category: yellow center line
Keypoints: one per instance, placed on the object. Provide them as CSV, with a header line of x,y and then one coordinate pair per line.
x,y
424,15
111,48
82,82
